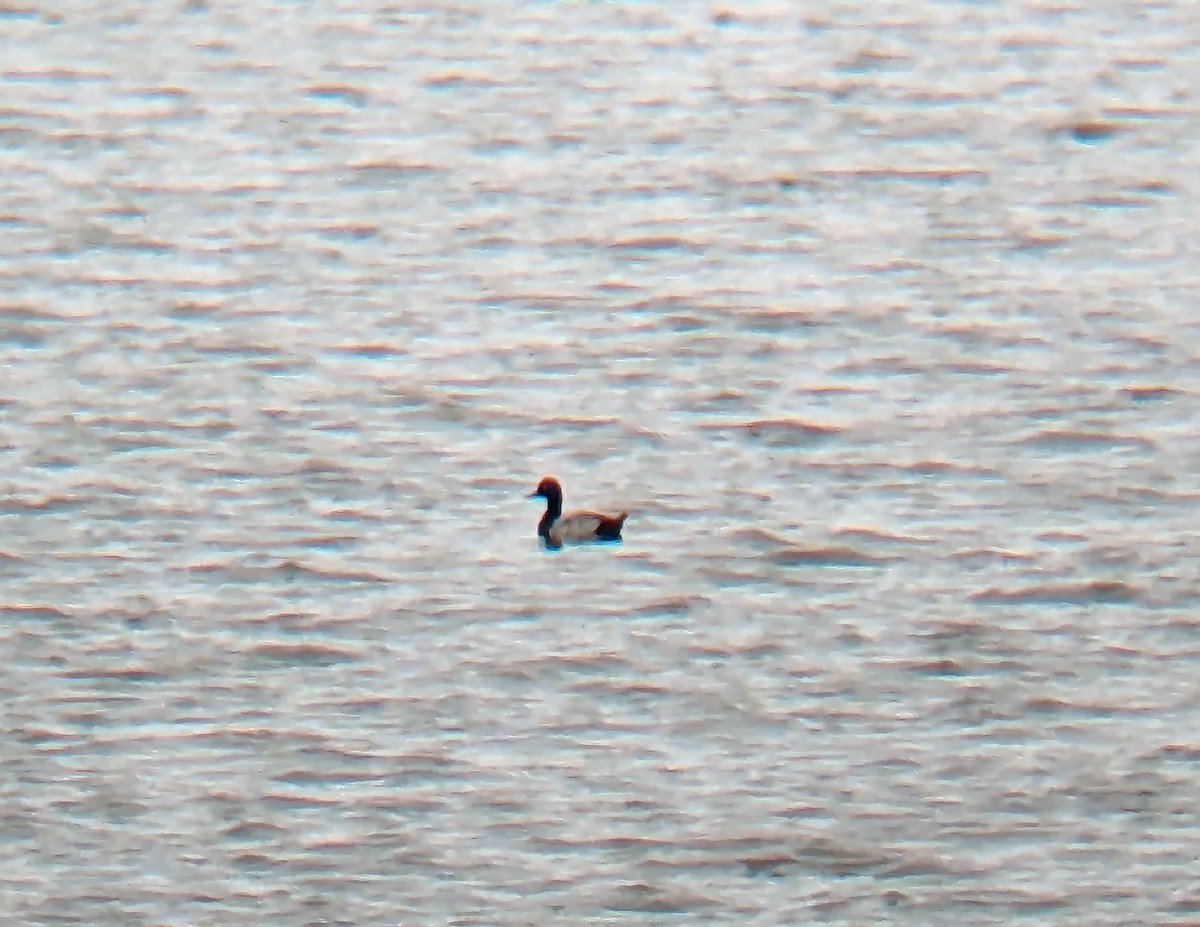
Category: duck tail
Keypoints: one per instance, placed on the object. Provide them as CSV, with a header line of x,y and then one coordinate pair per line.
x,y
610,526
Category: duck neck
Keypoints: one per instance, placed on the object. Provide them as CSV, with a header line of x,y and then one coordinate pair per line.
x,y
553,510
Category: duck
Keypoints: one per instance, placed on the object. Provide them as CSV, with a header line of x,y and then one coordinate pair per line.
x,y
555,527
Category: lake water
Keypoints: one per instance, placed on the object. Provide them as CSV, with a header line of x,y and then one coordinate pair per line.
x,y
880,318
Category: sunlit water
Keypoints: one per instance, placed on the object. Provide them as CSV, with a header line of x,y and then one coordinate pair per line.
x,y
880,318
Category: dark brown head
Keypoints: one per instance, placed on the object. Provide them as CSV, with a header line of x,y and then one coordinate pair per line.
x,y
549,488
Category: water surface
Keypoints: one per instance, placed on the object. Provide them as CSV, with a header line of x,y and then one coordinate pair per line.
x,y
880,321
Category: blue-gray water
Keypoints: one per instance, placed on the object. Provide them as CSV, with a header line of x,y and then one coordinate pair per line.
x,y
881,318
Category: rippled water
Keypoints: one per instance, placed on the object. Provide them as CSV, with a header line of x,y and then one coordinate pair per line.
x,y
881,320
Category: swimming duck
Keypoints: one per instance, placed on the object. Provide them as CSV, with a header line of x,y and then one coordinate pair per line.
x,y
555,527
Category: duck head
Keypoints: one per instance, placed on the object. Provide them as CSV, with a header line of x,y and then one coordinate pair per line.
x,y
548,488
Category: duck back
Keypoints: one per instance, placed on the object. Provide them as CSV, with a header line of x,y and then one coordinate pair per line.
x,y
586,526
